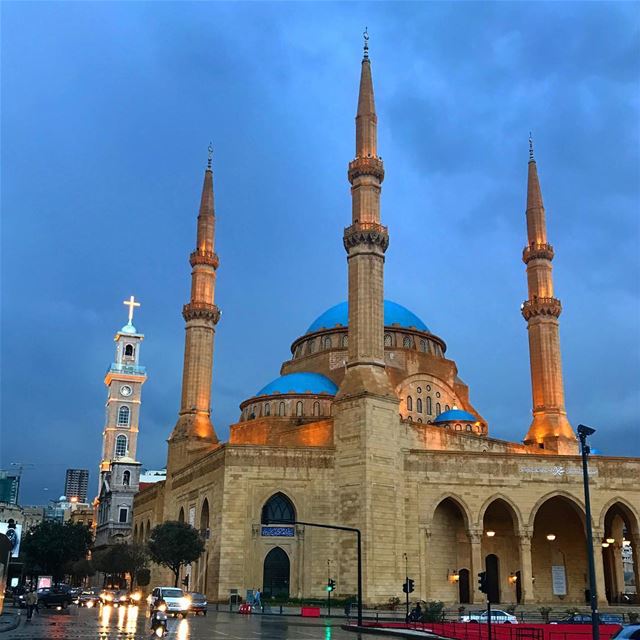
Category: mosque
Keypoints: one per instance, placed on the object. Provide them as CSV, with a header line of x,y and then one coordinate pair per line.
x,y
370,425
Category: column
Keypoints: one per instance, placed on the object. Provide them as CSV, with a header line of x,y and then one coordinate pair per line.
x,y
635,550
477,565
425,577
526,567
598,539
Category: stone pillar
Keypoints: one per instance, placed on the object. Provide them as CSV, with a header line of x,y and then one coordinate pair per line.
x,y
526,569
477,565
635,550
599,567
425,576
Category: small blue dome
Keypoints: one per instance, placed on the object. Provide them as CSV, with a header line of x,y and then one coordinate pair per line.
x,y
128,328
300,383
394,314
456,415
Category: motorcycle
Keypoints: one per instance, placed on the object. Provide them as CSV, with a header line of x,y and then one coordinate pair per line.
x,y
159,622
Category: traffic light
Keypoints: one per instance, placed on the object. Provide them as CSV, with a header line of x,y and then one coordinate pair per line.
x,y
482,581
408,586
185,581
331,584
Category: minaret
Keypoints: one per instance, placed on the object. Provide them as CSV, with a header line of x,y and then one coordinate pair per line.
x,y
366,423
194,432
550,428
366,241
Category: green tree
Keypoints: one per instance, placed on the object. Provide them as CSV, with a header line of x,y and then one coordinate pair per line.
x,y
122,558
174,544
50,546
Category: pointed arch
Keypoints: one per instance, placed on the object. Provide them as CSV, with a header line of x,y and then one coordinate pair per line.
x,y
457,500
516,514
627,509
575,502
181,515
204,519
278,509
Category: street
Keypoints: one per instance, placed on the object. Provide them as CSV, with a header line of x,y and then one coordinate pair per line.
x,y
132,623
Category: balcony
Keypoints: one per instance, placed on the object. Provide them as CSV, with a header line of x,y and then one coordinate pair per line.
x,y
127,369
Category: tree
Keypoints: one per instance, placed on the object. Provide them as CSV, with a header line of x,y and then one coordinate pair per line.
x,y
174,544
50,546
122,558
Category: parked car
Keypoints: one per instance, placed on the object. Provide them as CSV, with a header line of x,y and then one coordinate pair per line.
x,y
585,618
89,598
57,596
198,603
497,617
172,598
630,632
18,595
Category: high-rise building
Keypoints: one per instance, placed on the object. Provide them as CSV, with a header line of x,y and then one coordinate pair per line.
x,y
119,470
75,484
9,487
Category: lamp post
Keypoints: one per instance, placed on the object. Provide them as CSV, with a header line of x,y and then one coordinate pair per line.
x,y
583,433
406,581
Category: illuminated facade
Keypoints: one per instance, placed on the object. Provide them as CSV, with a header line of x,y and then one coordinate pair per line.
x,y
370,425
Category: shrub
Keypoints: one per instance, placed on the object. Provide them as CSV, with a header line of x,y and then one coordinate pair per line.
x,y
510,609
433,611
633,616
544,612
394,603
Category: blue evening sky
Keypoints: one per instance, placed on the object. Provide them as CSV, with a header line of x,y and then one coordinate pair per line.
x,y
107,110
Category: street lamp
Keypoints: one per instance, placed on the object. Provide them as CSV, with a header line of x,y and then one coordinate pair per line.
x,y
551,537
583,433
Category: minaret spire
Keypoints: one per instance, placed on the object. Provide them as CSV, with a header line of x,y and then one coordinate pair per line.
x,y
550,428
366,241
194,430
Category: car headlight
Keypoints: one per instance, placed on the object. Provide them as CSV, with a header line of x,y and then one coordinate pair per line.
x,y
123,598
162,607
136,596
185,602
89,604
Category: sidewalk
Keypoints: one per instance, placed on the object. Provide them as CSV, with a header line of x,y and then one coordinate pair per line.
x,y
9,620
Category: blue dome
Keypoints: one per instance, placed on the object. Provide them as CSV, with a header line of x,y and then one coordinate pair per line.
x,y
300,383
394,314
128,328
456,415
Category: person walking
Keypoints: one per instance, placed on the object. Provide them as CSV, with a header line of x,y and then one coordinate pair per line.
x,y
31,600
256,599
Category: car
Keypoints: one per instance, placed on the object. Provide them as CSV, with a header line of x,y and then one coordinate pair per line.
x,y
19,594
497,617
121,598
173,598
107,596
198,603
630,632
57,596
585,618
89,598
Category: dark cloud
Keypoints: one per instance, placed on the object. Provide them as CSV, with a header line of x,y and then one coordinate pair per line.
x,y
107,111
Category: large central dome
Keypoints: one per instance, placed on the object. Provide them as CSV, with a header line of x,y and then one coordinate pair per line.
x,y
394,315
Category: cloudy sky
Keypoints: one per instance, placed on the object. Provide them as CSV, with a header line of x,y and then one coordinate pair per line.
x,y
107,110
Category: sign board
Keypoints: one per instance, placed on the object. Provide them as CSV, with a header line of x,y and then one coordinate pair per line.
x,y
45,582
558,580
14,535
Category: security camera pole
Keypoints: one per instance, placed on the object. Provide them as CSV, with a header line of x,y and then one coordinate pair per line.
x,y
583,432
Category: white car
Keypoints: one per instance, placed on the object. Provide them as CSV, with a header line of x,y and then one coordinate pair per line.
x,y
497,617
172,598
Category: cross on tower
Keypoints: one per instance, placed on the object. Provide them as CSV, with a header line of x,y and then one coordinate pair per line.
x,y
131,303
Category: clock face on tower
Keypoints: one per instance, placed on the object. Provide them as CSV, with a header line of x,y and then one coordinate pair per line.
x,y
126,390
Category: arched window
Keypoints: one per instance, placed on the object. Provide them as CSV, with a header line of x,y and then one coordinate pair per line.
x,y
468,427
409,403
267,409
345,340
438,412
147,532
388,340
281,409
447,407
181,515
458,427
419,419
129,351
298,350
423,346
326,342
311,346
316,408
123,416
278,509
204,520
429,405
121,446
419,405
126,478
299,411
407,343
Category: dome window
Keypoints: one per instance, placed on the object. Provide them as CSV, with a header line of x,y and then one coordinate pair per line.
x,y
423,346
281,409
388,340
311,346
407,343
438,410
299,409
316,408
409,403
326,342
267,409
429,410
419,406
447,407
345,340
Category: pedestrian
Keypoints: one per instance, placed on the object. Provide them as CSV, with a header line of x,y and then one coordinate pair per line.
x,y
347,608
256,600
31,601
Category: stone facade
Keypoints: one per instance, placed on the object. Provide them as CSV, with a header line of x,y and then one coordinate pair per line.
x,y
370,426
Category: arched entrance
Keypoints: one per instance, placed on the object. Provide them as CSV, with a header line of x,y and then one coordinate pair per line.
x,y
275,579
620,555
450,549
464,587
492,566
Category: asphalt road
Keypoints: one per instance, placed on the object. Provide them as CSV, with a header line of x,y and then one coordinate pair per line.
x,y
131,623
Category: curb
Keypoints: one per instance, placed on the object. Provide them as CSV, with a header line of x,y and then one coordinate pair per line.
x,y
13,626
394,633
